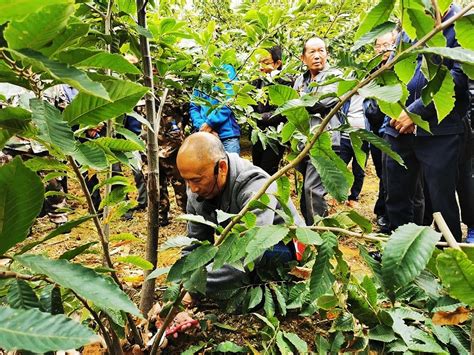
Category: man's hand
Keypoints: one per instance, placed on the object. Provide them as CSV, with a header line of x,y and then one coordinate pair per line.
x,y
403,124
206,128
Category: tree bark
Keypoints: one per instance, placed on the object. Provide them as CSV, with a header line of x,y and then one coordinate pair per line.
x,y
146,298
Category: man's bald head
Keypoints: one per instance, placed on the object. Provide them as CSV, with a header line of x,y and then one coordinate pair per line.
x,y
202,147
314,41
314,55
202,164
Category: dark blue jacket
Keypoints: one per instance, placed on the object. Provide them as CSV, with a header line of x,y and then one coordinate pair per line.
x,y
221,120
453,122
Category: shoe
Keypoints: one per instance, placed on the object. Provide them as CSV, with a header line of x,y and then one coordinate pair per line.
x,y
382,221
470,235
376,255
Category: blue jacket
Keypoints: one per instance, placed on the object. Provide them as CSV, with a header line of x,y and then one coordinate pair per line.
x,y
221,120
453,122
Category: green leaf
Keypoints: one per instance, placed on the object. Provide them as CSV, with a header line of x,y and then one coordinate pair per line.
x,y
92,155
71,254
327,302
382,333
177,242
230,347
224,216
322,345
101,290
297,342
19,9
52,128
21,295
91,110
83,57
406,68
458,54
32,330
373,34
287,132
284,188
136,260
321,275
299,118
360,155
71,34
18,209
335,175
468,70
387,93
407,253
370,289
118,145
47,164
280,94
464,31
39,28
193,349
255,297
113,181
269,305
444,97
344,322
280,299
14,121
265,238
375,17
196,219
308,237
232,249
64,73
65,228
199,257
127,6
197,281
283,345
359,306
457,275
361,221
424,24
380,143
158,272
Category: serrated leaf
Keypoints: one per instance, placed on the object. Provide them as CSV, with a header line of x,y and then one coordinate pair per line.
x,y
38,28
457,275
21,295
370,289
375,17
193,349
423,24
344,322
327,302
458,54
361,221
322,345
265,238
65,228
196,219
92,155
407,253
64,73
269,305
280,94
66,38
255,297
406,68
282,344
71,254
18,209
464,31
281,302
83,57
197,281
283,188
232,249
287,132
373,34
308,237
177,242
250,219
382,333
199,257
136,260
297,342
443,98
52,128
224,216
40,332
91,110
84,281
388,93
321,275
158,272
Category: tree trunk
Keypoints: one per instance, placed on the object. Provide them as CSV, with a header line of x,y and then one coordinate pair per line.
x,y
146,299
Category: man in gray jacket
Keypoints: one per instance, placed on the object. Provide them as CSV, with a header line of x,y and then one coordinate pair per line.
x,y
217,180
315,58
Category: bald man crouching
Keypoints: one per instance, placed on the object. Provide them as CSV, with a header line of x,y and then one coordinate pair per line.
x,y
217,180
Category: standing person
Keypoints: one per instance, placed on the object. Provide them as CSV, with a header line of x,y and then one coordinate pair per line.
x,y
315,56
269,158
220,121
434,156
353,113
384,46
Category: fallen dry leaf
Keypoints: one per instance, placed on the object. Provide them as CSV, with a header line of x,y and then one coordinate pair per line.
x,y
301,272
460,315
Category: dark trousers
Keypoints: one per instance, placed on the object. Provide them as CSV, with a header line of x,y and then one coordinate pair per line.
x,y
379,208
267,159
432,160
347,154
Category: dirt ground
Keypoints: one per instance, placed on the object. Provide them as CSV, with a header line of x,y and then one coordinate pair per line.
x,y
242,329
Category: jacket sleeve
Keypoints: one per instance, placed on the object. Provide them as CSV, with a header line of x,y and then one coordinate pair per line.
x,y
197,118
218,116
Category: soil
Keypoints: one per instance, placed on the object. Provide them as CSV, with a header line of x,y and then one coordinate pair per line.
x,y
241,329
